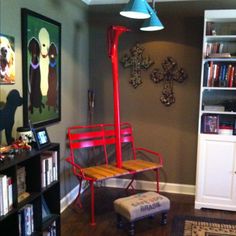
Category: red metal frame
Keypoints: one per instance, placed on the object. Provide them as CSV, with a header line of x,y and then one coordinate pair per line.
x,y
102,135
106,134
113,39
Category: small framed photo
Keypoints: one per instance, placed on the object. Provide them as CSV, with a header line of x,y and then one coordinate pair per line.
x,y
211,124
41,137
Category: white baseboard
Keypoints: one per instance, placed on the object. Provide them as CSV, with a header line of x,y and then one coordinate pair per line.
x,y
151,186
137,184
69,198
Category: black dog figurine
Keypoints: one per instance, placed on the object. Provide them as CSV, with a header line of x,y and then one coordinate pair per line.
x,y
7,114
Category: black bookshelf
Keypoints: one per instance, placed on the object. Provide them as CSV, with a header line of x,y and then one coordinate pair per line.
x,y
32,163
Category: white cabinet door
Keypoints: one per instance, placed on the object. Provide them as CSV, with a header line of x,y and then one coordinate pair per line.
x,y
216,178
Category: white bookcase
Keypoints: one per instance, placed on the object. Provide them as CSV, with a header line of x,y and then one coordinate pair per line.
x,y
216,155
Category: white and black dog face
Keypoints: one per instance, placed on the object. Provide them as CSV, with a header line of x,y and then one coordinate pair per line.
x,y
44,41
6,52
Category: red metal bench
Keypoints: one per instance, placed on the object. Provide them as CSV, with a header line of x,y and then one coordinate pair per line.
x,y
102,136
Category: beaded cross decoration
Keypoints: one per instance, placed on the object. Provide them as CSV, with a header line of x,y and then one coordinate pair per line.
x,y
169,73
137,62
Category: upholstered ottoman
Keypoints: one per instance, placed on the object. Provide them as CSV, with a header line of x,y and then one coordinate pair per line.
x,y
140,206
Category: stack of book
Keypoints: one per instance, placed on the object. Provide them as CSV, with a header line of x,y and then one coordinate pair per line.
x,y
215,50
6,200
220,74
26,220
48,167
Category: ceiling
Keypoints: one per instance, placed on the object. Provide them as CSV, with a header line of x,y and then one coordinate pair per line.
x,y
101,2
181,8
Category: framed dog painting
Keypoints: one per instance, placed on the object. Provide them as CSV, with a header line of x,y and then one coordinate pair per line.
x,y
7,59
41,52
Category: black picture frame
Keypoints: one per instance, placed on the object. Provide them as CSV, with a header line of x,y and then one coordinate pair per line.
x,y
45,210
41,58
41,137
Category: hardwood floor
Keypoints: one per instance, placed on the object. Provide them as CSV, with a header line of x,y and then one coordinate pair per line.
x,y
75,221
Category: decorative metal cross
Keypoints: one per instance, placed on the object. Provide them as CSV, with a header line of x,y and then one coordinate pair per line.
x,y
137,62
170,73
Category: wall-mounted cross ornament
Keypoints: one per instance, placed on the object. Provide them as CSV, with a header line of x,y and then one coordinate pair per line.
x,y
170,73
137,62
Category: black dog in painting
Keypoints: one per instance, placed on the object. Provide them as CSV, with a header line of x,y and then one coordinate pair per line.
x,y
35,77
7,114
52,77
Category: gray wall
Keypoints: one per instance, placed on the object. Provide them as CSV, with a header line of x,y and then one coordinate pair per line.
x,y
74,70
173,130
170,130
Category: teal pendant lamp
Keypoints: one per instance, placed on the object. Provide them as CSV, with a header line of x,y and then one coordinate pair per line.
x,y
152,24
140,9
136,9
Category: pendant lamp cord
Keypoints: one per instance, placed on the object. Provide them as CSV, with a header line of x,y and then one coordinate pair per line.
x,y
153,4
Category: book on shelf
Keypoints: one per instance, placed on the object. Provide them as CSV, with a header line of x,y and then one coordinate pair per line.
x,y
10,193
214,49
26,220
6,194
220,74
51,230
210,30
214,108
21,180
219,55
49,167
3,195
211,124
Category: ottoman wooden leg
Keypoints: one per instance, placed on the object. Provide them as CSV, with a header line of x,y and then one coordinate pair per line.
x,y
164,218
119,221
131,229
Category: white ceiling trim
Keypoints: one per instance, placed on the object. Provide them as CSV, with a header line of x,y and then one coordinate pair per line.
x,y
100,2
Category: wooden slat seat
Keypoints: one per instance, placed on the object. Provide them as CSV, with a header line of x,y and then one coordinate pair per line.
x,y
102,172
140,165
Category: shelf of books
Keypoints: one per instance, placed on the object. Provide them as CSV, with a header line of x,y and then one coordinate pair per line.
x,y
30,193
216,151
218,83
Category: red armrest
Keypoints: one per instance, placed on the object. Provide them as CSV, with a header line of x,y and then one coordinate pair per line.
x,y
69,159
152,152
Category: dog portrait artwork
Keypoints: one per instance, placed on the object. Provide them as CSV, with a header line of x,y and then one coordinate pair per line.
x,y
7,60
35,94
41,44
7,113
52,77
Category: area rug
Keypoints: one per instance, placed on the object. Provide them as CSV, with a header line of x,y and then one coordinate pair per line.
x,y
201,226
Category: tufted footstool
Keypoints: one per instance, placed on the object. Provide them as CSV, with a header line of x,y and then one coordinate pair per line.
x,y
140,206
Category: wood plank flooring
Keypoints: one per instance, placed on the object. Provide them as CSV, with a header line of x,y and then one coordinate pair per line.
x,y
75,221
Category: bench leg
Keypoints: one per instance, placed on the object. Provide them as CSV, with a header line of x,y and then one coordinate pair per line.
x,y
131,229
164,218
93,223
119,221
77,200
130,185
